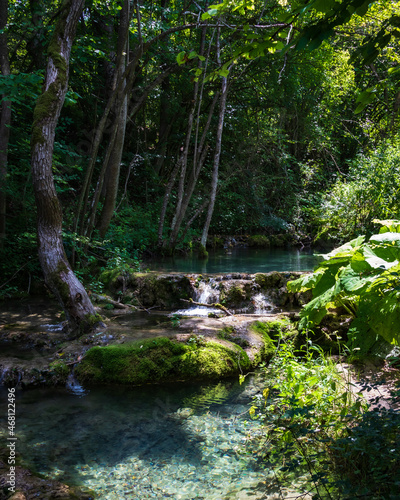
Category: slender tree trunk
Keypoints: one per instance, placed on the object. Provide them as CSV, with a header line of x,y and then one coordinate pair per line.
x,y
164,207
200,157
113,173
182,201
57,271
5,121
217,154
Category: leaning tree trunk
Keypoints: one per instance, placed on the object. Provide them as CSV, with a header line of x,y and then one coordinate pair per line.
x,y
5,119
57,271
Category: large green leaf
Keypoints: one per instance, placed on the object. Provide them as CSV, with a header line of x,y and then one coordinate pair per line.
x,y
314,311
350,281
386,238
378,262
306,282
388,225
365,277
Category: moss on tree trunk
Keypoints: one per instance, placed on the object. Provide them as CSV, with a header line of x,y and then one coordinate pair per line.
x,y
56,269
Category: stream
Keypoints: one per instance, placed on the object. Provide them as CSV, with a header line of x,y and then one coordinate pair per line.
x,y
180,441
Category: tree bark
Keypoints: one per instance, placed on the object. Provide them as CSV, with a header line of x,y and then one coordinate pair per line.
x,y
57,271
114,164
5,121
217,154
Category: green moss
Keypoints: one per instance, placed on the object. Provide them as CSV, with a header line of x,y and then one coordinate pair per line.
x,y
160,359
234,295
258,240
228,333
109,276
275,329
270,280
271,331
202,252
60,369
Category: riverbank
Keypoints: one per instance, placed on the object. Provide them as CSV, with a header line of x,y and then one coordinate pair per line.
x,y
141,307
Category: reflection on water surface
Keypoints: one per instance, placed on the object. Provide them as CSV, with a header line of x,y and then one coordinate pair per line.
x,y
239,260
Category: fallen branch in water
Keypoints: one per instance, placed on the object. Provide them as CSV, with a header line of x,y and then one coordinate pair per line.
x,y
213,306
117,305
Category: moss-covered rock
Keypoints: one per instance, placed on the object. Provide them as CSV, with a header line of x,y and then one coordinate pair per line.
x,y
164,291
271,332
160,360
60,371
258,240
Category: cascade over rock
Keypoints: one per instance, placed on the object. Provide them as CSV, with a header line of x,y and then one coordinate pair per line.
x,y
239,292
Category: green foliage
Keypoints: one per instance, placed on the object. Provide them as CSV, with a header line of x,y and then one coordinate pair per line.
x,y
370,191
363,277
133,228
316,426
366,459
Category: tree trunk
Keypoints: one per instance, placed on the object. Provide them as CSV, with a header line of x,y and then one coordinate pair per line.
x,y
57,271
5,120
217,154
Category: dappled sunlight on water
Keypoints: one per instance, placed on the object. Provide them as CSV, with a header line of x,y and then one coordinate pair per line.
x,y
178,441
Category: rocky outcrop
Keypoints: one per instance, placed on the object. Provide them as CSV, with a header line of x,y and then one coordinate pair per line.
x,y
239,292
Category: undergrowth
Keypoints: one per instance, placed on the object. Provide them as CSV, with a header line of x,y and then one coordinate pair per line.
x,y
321,439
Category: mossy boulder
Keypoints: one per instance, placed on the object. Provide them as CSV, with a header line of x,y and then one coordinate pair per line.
x,y
236,294
161,290
161,360
258,240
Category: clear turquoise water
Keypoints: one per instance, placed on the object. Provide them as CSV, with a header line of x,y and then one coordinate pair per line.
x,y
180,442
240,260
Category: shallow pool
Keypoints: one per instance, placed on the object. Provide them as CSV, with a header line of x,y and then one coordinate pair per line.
x,y
180,441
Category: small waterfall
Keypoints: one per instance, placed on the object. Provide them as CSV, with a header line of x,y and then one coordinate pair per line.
x,y
205,292
261,304
74,386
58,327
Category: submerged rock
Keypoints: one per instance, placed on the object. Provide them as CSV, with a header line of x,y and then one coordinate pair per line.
x,y
29,486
